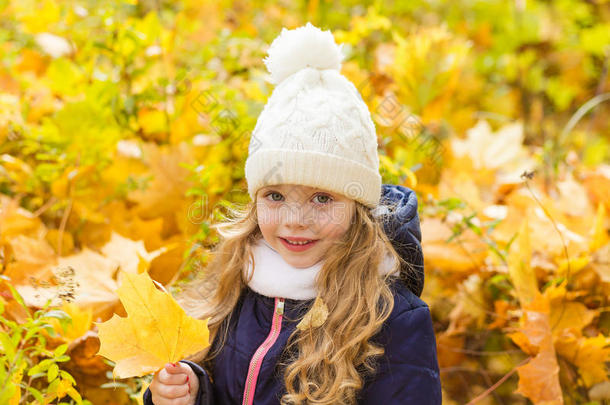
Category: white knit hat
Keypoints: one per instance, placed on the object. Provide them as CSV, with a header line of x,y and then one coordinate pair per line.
x,y
315,129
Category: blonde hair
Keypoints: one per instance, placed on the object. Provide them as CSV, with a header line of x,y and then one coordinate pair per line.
x,y
323,365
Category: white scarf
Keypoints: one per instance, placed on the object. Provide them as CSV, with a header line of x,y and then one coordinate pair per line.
x,y
274,277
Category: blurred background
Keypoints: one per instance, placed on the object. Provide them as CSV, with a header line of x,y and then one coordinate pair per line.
x,y
124,128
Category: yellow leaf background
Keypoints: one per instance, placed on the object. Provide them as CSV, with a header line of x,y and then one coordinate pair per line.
x,y
117,154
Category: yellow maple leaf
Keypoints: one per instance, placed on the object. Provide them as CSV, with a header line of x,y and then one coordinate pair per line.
x,y
519,265
156,330
566,313
589,354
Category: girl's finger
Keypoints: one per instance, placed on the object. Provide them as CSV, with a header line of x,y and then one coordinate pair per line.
x,y
173,391
178,368
160,399
174,368
184,400
173,379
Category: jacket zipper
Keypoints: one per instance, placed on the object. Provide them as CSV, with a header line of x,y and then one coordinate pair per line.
x,y
259,354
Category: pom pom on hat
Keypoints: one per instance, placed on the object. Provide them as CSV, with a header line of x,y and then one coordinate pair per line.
x,y
315,129
302,47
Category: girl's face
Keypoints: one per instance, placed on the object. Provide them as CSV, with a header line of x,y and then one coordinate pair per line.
x,y
294,212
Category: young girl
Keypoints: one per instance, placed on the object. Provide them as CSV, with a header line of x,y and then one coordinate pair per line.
x,y
313,293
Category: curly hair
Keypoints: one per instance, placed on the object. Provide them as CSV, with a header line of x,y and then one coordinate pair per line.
x,y
325,365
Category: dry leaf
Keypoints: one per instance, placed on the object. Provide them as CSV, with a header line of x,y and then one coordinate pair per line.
x,y
131,255
85,277
156,330
599,235
589,354
539,378
600,391
519,266
315,317
463,255
566,313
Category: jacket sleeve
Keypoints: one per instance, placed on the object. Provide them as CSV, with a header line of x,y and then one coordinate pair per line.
x,y
205,395
408,372
403,229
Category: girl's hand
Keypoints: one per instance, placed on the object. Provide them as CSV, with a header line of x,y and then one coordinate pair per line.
x,y
174,385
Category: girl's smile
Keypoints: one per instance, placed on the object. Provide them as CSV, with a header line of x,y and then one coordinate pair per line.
x,y
319,218
293,245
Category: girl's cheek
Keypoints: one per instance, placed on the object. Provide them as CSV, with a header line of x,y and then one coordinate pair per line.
x,y
267,216
333,226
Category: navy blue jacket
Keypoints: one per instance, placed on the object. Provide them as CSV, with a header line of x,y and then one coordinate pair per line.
x,y
407,373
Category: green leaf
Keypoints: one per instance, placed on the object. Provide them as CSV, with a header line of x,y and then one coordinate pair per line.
x,y
53,386
31,332
7,392
596,39
37,375
52,372
66,376
64,77
56,313
35,393
51,330
61,349
16,295
7,344
75,395
41,367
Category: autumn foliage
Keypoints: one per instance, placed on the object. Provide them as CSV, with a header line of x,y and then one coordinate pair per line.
x,y
124,128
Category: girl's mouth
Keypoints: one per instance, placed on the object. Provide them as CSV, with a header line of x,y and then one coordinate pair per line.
x,y
299,246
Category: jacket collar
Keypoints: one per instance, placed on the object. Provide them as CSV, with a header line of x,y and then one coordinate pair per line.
x,y
274,277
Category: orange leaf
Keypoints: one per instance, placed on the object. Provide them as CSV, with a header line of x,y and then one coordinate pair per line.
x,y
539,379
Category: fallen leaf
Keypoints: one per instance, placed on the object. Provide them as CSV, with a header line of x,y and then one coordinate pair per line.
x,y
519,266
156,330
83,355
86,278
599,235
502,150
33,259
539,378
565,312
131,255
589,354
600,391
463,255
601,264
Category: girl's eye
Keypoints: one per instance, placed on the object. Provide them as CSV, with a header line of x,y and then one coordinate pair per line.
x,y
325,198
274,193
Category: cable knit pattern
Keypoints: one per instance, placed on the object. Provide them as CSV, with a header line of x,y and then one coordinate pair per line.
x,y
315,129
274,277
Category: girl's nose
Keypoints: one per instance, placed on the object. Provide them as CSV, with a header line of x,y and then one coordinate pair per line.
x,y
296,214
